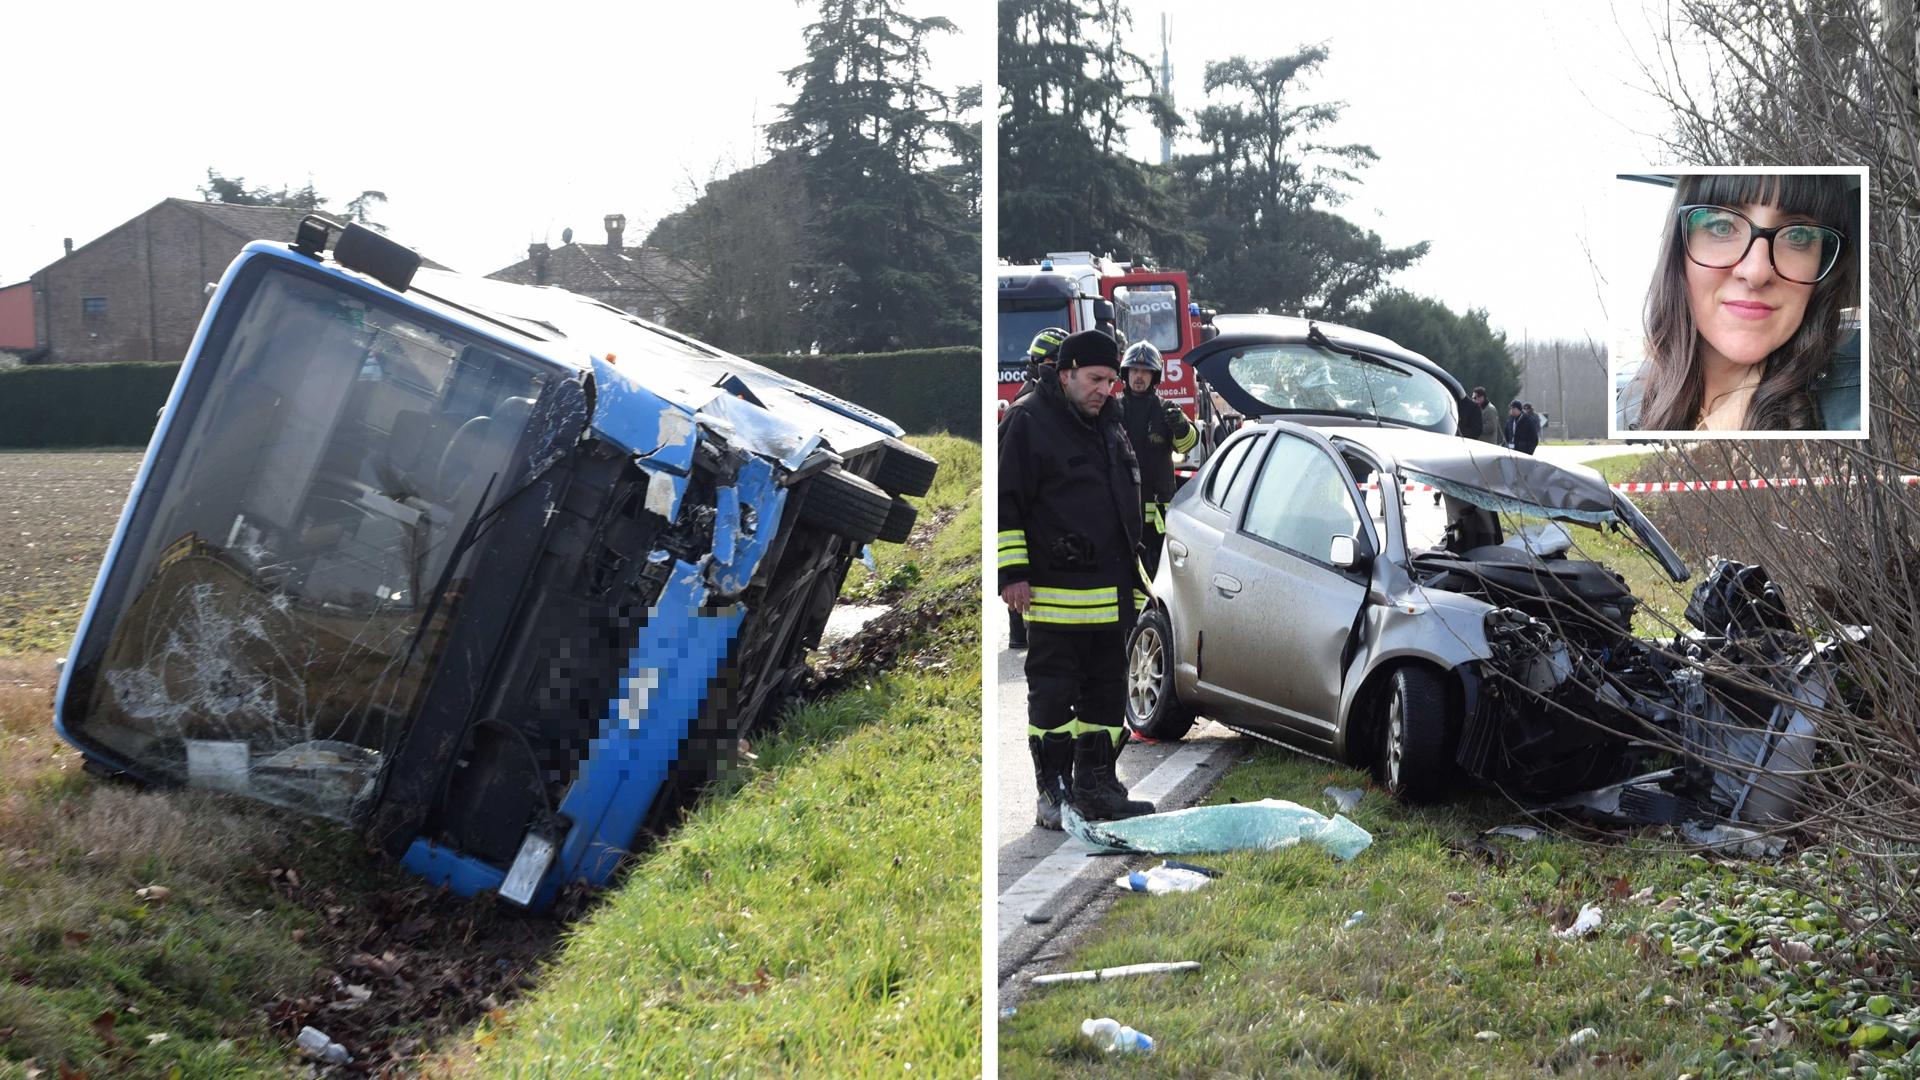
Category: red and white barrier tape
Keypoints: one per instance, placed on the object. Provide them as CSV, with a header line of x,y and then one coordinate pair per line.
x,y
1696,485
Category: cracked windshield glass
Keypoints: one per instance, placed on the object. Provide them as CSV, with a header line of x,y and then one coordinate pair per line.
x,y
280,620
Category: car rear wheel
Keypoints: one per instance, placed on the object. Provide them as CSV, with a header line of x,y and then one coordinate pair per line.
x,y
1152,710
1412,760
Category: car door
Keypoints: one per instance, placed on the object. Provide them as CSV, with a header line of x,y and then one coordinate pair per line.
x,y
1198,520
1280,616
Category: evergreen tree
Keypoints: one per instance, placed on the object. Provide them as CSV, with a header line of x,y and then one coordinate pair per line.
x,y
234,191
1470,349
1261,196
1068,91
896,262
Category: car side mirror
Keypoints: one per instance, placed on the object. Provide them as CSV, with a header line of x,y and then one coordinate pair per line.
x,y
1344,552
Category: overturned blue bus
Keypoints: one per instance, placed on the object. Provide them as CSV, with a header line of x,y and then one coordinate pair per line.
x,y
497,573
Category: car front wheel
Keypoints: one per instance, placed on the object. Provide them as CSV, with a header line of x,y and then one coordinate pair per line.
x,y
1412,762
1152,710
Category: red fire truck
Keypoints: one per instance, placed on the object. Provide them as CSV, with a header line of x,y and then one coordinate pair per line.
x,y
1076,291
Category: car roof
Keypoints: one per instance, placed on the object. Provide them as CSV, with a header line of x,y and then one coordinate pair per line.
x,y
1482,465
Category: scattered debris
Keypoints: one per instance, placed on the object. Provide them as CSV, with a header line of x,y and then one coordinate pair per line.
x,y
1253,826
1585,923
158,894
1125,970
1522,833
1354,920
1344,799
1162,879
1486,1036
1110,1035
1583,1036
1733,838
315,1044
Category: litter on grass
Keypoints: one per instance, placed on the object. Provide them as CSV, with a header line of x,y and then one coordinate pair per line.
x,y
1734,839
1354,920
1344,798
1522,833
1162,879
1255,826
1121,972
1583,924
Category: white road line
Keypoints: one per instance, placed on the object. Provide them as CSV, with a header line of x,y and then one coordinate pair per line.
x,y
1040,887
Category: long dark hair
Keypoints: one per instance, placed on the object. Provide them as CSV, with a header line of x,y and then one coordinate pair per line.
x,y
1672,387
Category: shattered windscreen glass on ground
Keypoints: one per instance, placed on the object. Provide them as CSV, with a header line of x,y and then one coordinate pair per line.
x,y
499,574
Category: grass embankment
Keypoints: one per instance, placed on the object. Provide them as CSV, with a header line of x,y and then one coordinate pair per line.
x,y
825,918
1453,971
855,840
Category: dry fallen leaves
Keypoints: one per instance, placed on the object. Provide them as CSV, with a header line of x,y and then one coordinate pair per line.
x,y
103,1027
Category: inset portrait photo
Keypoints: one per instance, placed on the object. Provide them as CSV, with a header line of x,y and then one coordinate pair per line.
x,y
1739,304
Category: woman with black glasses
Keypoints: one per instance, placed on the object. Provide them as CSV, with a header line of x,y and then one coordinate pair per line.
x,y
1745,314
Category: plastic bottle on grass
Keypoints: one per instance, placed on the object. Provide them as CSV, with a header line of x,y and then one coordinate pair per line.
x,y
1110,1035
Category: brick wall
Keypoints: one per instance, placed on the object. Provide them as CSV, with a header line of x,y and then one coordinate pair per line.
x,y
148,280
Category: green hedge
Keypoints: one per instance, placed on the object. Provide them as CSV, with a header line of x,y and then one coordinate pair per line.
x,y
82,404
922,390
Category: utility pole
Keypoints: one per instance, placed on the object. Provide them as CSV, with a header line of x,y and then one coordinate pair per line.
x,y
1166,85
1560,382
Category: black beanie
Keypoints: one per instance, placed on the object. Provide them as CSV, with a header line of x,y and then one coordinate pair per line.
x,y
1089,348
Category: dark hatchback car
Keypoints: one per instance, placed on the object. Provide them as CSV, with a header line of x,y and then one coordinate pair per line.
x,y
1304,597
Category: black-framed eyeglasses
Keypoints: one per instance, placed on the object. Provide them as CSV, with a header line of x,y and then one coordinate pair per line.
x,y
1719,237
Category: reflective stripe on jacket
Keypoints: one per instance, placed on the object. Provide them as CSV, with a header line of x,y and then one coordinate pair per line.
x,y
1069,511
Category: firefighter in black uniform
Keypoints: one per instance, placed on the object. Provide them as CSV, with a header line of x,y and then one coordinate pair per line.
x,y
1068,533
1041,355
1158,430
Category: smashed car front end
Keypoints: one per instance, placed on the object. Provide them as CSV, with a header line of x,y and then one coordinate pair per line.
x,y
499,574
1561,701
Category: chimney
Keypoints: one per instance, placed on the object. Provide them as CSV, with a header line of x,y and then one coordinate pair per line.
x,y
538,253
616,226
68,240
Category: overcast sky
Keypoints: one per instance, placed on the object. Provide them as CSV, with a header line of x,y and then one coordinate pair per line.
x,y
486,131
1499,125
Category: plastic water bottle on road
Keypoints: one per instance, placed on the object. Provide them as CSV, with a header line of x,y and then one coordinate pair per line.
x,y
1110,1035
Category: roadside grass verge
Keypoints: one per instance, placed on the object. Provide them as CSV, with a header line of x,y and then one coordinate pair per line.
x,y
824,918
1457,941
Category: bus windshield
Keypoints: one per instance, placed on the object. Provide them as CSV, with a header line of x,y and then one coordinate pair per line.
x,y
263,625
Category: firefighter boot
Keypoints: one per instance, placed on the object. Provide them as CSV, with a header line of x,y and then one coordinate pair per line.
x,y
1098,794
1052,775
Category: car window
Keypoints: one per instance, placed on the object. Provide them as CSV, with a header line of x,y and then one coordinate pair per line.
x,y
1221,478
1299,376
1301,500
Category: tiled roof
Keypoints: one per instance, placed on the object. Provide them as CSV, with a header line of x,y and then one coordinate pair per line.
x,y
252,222
636,279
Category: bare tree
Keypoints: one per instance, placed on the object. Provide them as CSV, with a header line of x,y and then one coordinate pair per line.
x,y
1828,82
